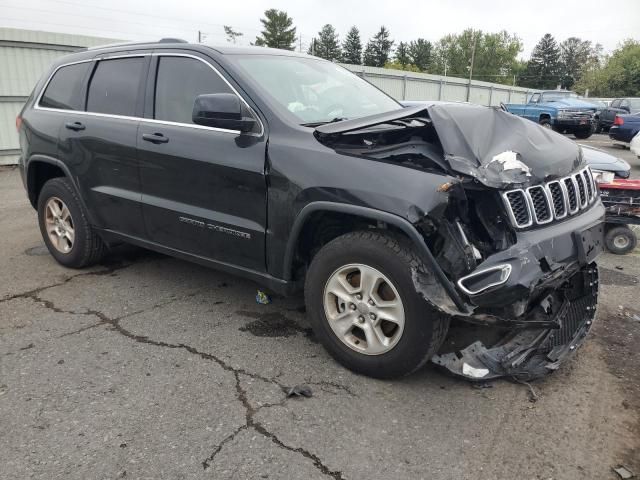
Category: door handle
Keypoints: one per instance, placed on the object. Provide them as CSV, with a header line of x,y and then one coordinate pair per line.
x,y
155,138
75,126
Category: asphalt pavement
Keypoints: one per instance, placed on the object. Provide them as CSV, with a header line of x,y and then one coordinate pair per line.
x,y
152,367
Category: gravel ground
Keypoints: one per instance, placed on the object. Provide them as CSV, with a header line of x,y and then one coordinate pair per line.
x,y
151,367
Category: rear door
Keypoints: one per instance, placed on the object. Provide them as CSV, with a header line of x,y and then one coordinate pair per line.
x,y
204,189
100,143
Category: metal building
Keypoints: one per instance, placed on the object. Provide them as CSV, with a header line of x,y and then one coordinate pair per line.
x,y
24,56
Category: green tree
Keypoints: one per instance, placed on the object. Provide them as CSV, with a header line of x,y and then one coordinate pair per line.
x,y
378,49
232,35
495,55
544,68
420,54
352,47
616,76
327,44
278,30
402,55
574,57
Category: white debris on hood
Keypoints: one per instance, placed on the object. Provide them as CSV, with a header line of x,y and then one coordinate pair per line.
x,y
474,372
509,161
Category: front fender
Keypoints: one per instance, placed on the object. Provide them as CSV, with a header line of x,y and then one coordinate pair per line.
x,y
401,223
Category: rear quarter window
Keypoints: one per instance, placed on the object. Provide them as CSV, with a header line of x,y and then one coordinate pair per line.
x,y
114,86
64,90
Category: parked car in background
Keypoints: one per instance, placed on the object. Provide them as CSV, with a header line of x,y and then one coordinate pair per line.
x,y
601,161
601,105
624,128
635,145
560,110
619,106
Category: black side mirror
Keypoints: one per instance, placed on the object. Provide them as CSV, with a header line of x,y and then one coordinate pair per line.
x,y
625,108
222,110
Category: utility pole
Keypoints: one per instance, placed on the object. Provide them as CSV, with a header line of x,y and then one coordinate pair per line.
x,y
473,57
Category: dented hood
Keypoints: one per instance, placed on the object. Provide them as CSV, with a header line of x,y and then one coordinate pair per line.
x,y
495,147
499,148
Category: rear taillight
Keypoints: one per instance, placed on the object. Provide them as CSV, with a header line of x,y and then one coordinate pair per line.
x,y
618,121
18,122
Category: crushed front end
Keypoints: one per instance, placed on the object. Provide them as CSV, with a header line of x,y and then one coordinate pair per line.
x,y
514,230
525,264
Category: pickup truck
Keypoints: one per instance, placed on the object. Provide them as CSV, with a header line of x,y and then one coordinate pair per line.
x,y
560,110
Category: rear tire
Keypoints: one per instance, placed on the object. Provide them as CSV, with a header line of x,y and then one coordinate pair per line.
x,y
350,260
620,240
65,228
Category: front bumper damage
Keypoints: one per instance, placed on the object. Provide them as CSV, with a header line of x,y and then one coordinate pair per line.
x,y
526,326
533,346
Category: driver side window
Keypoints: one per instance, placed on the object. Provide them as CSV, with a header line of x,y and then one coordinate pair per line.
x,y
535,98
178,82
615,103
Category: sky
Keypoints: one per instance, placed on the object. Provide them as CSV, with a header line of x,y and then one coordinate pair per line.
x,y
150,20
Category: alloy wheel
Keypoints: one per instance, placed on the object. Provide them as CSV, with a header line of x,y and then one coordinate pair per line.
x,y
59,225
364,309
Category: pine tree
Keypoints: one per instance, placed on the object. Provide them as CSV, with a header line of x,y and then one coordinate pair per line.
x,y
278,32
352,47
327,44
420,54
232,35
402,55
575,55
378,49
543,69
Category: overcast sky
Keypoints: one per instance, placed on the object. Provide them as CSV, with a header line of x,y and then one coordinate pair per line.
x,y
603,22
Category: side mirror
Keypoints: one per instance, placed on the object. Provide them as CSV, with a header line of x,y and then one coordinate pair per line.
x,y
625,108
221,110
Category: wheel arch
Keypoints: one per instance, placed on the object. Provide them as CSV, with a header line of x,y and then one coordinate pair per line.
x,y
544,116
366,216
41,168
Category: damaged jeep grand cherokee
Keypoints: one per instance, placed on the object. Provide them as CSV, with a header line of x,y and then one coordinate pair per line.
x,y
447,232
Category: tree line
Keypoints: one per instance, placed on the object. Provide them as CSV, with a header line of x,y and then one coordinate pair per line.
x,y
572,64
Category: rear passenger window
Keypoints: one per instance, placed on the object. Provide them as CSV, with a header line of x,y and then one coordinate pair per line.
x,y
114,86
65,88
179,81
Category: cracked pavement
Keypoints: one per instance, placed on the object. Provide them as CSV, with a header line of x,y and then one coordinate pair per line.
x,y
151,367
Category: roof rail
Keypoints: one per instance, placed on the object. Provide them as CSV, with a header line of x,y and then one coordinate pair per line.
x,y
125,44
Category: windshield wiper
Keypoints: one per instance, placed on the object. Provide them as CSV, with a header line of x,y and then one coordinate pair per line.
x,y
317,124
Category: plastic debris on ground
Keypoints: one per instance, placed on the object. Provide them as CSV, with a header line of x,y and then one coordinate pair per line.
x,y
262,298
299,391
623,472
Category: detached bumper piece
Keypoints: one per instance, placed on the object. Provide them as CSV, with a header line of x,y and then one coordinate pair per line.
x,y
536,344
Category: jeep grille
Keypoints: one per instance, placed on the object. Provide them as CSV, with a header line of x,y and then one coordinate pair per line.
x,y
551,201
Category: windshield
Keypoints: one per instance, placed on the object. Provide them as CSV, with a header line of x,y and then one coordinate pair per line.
x,y
315,91
551,96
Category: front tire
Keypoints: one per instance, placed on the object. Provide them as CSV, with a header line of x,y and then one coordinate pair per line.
x,y
364,307
546,123
65,228
583,134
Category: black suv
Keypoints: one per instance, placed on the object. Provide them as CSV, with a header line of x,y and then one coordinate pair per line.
x,y
411,230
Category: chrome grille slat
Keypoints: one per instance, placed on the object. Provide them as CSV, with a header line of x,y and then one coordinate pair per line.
x,y
554,200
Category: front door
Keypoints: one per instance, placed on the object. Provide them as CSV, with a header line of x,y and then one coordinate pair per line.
x,y
203,189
